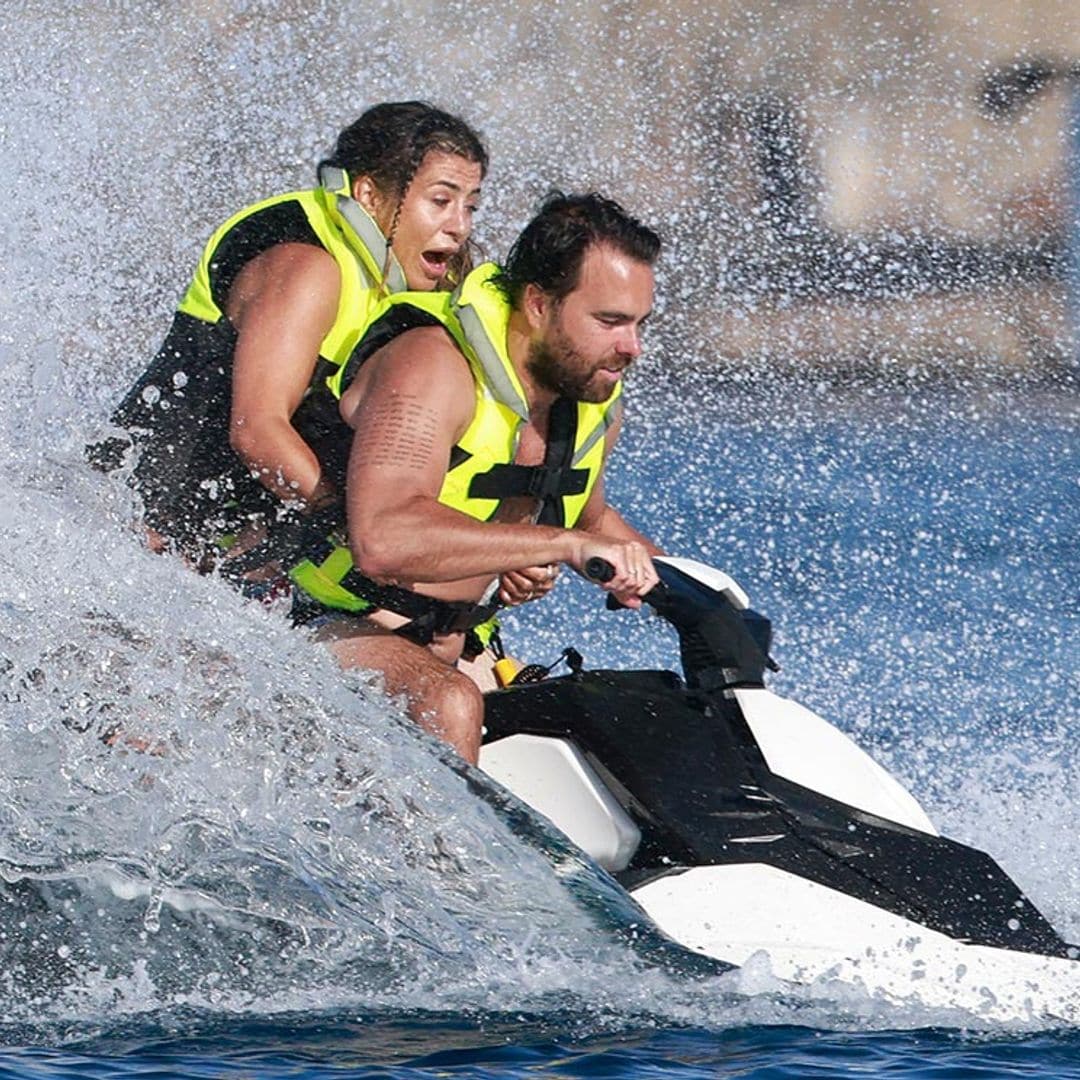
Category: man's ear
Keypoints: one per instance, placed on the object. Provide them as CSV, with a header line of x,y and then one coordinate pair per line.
x,y
536,305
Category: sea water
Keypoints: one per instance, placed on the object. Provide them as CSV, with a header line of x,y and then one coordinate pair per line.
x,y
298,885
276,875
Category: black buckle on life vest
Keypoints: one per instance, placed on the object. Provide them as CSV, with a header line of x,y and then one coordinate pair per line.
x,y
537,481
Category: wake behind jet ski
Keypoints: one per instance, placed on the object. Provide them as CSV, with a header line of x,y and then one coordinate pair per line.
x,y
741,821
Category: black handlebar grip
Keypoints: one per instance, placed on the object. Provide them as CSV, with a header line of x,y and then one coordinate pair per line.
x,y
599,570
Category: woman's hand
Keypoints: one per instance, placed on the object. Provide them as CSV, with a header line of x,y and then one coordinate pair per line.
x,y
521,586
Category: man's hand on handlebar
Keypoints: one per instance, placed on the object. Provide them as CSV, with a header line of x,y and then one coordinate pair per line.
x,y
632,573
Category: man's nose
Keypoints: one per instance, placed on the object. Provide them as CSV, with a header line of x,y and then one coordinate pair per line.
x,y
630,342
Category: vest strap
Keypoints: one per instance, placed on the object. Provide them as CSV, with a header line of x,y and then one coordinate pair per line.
x,y
538,481
548,482
427,615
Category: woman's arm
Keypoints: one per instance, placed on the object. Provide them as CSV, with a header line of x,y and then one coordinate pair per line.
x,y
282,304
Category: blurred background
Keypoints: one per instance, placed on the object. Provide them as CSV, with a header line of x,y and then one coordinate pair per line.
x,y
861,185
865,184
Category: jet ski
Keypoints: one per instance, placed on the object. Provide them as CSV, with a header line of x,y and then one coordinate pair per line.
x,y
744,825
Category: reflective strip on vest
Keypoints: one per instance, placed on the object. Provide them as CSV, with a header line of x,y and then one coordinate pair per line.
x,y
369,244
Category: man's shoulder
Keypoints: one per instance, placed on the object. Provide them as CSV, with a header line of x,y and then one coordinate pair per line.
x,y
424,369
423,353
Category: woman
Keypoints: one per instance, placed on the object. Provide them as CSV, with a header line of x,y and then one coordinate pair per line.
x,y
232,424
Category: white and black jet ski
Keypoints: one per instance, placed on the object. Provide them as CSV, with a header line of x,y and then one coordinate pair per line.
x,y
741,822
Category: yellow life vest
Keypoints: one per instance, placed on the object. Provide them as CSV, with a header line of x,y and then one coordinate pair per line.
x,y
195,489
481,470
340,224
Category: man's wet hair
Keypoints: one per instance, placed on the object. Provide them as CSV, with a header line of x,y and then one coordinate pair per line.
x,y
551,249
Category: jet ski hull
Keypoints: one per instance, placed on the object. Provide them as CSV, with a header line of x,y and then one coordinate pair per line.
x,y
744,824
811,934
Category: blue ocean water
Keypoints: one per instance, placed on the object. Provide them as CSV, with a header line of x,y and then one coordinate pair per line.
x,y
518,1047
916,550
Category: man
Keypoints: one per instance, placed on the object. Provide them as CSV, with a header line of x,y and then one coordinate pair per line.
x,y
482,424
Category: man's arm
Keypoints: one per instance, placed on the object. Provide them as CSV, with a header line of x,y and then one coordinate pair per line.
x,y
416,402
611,523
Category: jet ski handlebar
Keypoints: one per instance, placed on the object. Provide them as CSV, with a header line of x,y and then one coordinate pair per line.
x,y
599,570
718,632
679,573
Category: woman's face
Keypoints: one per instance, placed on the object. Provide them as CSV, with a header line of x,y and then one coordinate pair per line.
x,y
435,219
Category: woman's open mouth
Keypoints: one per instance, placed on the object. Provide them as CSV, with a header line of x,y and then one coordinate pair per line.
x,y
435,263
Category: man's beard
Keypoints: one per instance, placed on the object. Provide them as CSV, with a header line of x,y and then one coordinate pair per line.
x,y
558,368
